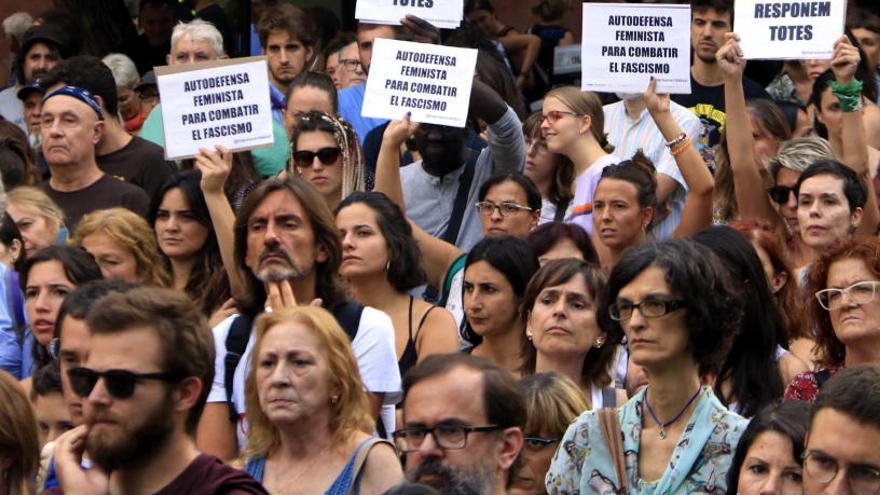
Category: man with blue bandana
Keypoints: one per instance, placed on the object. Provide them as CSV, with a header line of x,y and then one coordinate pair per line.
x,y
71,124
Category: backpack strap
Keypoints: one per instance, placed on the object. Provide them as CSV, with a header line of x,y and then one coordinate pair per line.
x,y
609,423
348,315
236,342
450,235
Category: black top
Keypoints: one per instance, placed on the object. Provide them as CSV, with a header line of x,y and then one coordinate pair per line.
x,y
409,357
141,163
106,192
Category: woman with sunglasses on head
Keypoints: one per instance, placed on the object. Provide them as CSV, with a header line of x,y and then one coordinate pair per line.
x,y
553,401
559,309
674,303
749,180
846,282
553,173
325,151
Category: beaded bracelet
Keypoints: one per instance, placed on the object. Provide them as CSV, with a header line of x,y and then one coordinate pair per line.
x,y
675,142
849,94
680,148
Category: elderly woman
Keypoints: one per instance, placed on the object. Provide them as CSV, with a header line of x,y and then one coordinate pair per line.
x,y
845,281
127,80
308,411
679,312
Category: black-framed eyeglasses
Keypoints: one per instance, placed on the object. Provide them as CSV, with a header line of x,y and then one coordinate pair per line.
x,y
780,194
487,208
120,384
859,293
327,156
536,442
823,468
445,436
622,309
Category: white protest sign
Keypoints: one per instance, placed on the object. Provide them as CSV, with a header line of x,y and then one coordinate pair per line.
x,y
626,44
431,81
446,14
567,59
789,29
219,102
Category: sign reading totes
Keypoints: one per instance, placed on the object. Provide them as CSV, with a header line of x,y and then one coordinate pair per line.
x,y
431,81
446,14
789,29
218,102
627,44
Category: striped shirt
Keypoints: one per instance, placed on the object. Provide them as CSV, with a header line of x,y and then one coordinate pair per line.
x,y
628,136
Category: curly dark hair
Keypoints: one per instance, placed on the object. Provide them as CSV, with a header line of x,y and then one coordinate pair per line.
x,y
695,274
404,257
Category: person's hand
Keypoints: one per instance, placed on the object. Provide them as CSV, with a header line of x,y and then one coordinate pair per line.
x,y
398,131
730,58
280,295
657,103
421,30
215,165
72,477
225,311
845,60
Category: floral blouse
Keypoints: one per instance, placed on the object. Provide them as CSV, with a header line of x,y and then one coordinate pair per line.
x,y
806,385
699,463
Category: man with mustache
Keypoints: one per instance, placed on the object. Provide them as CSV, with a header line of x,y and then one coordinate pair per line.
x,y
710,20
463,425
288,248
42,47
144,385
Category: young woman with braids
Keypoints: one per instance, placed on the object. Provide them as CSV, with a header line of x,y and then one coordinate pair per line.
x,y
325,151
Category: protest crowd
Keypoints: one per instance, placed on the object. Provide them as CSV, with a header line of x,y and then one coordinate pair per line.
x,y
402,254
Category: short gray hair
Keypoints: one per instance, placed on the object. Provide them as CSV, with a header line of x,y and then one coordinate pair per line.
x,y
200,30
798,154
16,24
124,71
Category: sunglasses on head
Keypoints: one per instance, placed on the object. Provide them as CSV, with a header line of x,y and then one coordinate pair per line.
x,y
780,194
328,156
120,384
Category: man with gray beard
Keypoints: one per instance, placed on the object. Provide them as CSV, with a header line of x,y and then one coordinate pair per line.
x,y
288,248
463,425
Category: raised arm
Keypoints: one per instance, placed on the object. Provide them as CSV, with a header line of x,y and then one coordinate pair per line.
x,y
437,255
855,144
752,200
697,212
506,140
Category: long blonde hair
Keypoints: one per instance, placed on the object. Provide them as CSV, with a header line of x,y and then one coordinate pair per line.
x,y
132,232
349,409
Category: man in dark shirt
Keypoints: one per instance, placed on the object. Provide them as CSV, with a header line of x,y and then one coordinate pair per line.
x,y
71,124
156,19
118,153
144,385
710,20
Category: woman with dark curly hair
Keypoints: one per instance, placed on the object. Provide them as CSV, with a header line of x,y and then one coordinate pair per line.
x,y
676,306
845,282
380,261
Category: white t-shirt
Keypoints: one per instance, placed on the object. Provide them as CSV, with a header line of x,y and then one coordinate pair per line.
x,y
373,347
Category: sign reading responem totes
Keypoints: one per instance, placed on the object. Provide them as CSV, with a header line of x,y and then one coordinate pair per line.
x,y
789,29
626,44
218,102
431,81
446,14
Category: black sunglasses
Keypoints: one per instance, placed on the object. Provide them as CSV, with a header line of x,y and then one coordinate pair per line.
x,y
780,194
328,156
119,383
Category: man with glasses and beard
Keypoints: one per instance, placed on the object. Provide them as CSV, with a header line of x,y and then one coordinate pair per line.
x,y
145,382
463,425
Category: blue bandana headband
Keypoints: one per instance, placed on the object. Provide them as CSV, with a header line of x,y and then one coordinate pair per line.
x,y
81,95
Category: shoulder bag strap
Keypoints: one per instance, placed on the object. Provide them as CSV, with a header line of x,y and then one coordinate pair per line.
x,y
361,458
450,235
236,343
610,425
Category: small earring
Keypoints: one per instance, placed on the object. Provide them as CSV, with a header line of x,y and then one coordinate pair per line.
x,y
334,399
387,266
529,335
599,342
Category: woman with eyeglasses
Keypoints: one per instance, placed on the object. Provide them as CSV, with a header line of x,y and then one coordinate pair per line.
x,y
308,412
845,282
553,401
675,304
325,151
562,326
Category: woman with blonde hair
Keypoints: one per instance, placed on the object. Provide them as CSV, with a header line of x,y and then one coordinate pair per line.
x,y
19,440
573,125
38,218
124,246
308,412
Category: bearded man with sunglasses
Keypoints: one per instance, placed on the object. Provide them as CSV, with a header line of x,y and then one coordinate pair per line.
x,y
144,382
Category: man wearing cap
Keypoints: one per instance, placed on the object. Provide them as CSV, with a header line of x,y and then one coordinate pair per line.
x,y
42,48
71,124
31,97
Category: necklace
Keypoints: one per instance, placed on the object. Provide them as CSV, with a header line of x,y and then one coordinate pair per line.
x,y
663,425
